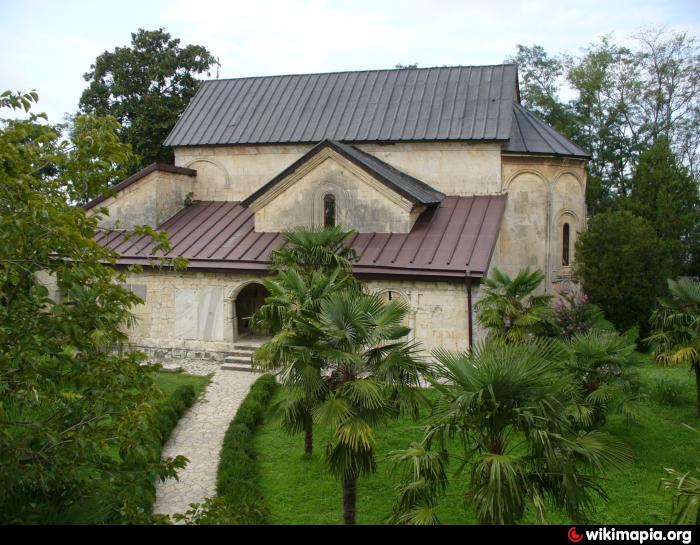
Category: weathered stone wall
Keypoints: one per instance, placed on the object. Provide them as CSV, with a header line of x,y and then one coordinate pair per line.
x,y
543,195
234,172
361,202
150,201
192,314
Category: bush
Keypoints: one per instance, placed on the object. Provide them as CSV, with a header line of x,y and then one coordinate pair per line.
x,y
623,267
171,409
668,390
238,481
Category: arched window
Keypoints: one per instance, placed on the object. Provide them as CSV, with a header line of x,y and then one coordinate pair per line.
x,y
565,246
329,210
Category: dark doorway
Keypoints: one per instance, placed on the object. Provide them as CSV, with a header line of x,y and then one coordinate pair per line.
x,y
249,300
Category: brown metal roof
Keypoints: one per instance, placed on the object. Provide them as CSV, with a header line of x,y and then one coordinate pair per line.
x,y
451,240
446,103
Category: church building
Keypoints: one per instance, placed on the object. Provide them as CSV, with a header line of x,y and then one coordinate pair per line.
x,y
441,173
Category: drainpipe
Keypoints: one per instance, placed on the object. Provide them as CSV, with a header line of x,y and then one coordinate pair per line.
x,y
468,284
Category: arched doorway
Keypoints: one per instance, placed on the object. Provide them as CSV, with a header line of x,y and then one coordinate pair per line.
x,y
247,302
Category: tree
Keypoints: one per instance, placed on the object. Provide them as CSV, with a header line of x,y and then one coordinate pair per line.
x,y
541,77
622,266
676,336
294,300
94,141
314,263
145,87
508,407
663,192
508,308
77,428
373,375
602,364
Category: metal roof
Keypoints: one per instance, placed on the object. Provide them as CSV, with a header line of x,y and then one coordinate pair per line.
x,y
413,189
532,135
450,103
452,240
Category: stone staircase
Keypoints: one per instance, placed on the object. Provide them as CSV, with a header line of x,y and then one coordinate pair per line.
x,y
240,356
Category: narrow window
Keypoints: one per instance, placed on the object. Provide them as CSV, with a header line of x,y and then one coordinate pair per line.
x,y
565,246
329,210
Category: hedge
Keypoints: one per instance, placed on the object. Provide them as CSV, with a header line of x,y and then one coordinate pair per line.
x,y
238,478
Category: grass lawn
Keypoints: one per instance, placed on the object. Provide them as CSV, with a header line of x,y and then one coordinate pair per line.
x,y
299,491
168,381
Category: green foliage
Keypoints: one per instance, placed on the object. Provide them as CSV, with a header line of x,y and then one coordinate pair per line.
x,y
668,391
145,87
663,192
313,264
574,313
371,376
686,488
506,405
241,501
315,249
676,336
75,410
602,364
622,266
509,310
96,158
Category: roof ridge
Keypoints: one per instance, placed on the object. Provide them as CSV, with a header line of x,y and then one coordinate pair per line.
x,y
362,71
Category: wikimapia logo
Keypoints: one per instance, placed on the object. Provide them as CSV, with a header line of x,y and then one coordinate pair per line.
x,y
636,536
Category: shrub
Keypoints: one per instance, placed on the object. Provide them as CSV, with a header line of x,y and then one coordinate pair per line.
x,y
238,476
575,314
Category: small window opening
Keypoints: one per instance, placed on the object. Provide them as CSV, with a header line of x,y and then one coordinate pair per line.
x,y
329,210
565,246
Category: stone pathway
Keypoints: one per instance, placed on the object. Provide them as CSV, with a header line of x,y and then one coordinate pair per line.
x,y
199,435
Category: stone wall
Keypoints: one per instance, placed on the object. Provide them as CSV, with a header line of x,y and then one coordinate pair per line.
x,y
361,202
192,314
543,195
150,201
234,172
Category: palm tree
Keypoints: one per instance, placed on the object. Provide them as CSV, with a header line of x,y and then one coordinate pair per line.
x,y
373,375
508,406
676,337
293,301
310,249
508,308
603,364
312,264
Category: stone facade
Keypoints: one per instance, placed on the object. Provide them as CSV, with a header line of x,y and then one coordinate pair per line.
x,y
362,203
192,314
150,201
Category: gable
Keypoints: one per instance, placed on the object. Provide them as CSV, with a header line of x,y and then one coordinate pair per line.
x,y
363,202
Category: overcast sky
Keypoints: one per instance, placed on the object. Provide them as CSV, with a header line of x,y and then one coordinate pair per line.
x,y
48,45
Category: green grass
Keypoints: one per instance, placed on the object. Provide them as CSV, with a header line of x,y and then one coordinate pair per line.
x,y
168,381
299,491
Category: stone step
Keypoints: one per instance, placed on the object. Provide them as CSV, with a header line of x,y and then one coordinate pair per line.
x,y
237,358
237,367
246,347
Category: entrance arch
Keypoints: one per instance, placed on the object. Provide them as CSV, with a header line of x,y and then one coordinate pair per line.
x,y
245,303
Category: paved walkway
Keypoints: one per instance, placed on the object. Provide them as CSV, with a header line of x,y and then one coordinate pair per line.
x,y
199,435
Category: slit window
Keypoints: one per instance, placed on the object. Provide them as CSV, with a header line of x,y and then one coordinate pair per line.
x,y
329,210
565,246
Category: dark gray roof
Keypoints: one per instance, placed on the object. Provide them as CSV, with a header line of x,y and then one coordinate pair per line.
x,y
451,103
413,189
532,135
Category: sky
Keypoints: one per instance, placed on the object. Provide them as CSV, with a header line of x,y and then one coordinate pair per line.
x,y
48,45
